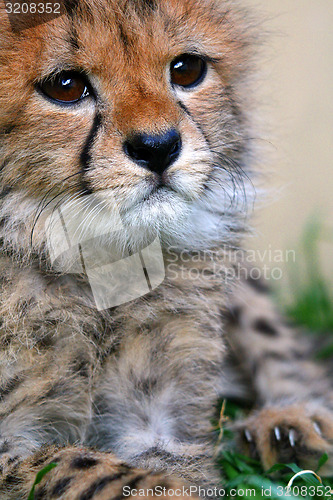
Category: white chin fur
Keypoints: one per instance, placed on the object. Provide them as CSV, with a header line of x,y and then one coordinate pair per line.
x,y
202,224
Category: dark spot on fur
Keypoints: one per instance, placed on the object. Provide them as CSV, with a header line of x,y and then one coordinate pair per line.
x,y
9,128
132,484
11,479
81,366
3,221
10,386
124,468
46,341
100,484
6,190
5,447
61,487
41,493
39,462
84,462
40,459
135,481
54,460
232,315
261,325
258,285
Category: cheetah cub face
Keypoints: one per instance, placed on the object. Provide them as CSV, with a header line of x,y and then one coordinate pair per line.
x,y
135,101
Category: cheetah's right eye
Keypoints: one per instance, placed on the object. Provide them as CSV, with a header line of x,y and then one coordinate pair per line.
x,y
66,87
188,70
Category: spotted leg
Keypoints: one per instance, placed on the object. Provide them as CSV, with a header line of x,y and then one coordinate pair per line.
x,y
293,416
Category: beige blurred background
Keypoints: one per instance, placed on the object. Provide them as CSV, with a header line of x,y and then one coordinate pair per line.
x,y
296,86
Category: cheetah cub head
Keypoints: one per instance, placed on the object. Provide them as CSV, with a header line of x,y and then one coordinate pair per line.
x,y
135,104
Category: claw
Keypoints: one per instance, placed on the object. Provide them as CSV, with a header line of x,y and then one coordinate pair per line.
x,y
292,438
317,428
277,433
248,435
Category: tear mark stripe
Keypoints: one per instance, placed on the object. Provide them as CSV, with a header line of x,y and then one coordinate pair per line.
x,y
85,157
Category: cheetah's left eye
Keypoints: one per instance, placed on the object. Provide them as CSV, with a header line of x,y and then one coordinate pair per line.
x,y
67,87
188,70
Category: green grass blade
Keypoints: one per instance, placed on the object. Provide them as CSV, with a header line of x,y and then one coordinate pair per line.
x,y
39,477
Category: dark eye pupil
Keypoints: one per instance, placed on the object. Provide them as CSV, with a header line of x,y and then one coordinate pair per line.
x,y
67,87
188,70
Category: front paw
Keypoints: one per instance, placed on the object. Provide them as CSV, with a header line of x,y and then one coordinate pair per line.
x,y
296,433
86,474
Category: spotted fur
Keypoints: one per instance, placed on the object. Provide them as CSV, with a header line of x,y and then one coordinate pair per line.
x,y
292,395
125,396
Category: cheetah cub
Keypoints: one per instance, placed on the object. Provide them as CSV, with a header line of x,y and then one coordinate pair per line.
x,y
126,161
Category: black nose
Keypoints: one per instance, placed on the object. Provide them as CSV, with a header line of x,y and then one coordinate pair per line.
x,y
155,152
